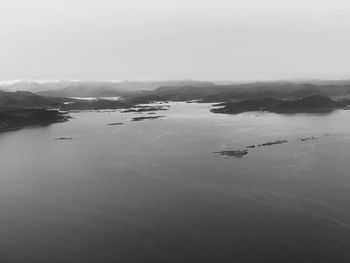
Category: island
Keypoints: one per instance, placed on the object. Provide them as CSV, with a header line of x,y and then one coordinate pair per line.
x,y
233,153
146,118
116,123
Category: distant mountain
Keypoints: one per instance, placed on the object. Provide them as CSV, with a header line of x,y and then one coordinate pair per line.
x,y
85,90
95,88
246,91
24,86
185,90
313,104
112,89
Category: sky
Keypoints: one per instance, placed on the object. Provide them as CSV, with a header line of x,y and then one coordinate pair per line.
x,y
220,40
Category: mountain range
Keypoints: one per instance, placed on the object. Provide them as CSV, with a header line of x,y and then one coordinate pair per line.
x,y
96,88
184,90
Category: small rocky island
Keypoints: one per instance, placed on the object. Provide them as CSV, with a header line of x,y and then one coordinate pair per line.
x,y
233,153
272,143
115,123
241,153
304,139
146,118
63,138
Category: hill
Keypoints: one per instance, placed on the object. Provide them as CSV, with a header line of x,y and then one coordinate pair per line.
x,y
23,108
247,91
95,88
25,99
313,104
308,104
16,118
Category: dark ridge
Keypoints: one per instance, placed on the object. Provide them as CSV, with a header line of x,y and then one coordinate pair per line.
x,y
245,91
312,104
16,118
110,89
308,104
25,99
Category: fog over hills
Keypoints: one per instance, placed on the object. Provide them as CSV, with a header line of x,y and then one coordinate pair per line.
x,y
207,91
256,90
69,88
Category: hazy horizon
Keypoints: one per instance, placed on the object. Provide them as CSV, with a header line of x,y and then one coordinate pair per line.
x,y
42,81
219,40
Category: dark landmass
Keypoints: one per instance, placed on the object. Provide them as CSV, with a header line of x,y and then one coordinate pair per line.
x,y
256,96
25,99
281,90
308,104
17,118
312,104
23,108
187,90
116,123
64,138
233,153
146,118
278,97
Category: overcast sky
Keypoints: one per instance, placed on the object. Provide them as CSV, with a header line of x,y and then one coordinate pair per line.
x,y
174,39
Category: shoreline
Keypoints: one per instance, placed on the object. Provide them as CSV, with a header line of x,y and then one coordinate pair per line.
x,y
66,119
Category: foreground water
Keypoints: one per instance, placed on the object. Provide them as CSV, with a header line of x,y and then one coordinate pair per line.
x,y
153,191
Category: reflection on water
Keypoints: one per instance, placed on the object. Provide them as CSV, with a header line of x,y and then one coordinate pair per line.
x,y
153,191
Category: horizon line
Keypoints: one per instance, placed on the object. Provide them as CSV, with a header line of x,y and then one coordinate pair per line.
x,y
10,82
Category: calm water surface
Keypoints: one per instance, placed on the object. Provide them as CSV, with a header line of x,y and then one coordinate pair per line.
x,y
154,191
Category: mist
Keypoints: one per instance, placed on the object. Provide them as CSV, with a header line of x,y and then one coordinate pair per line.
x,y
166,39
